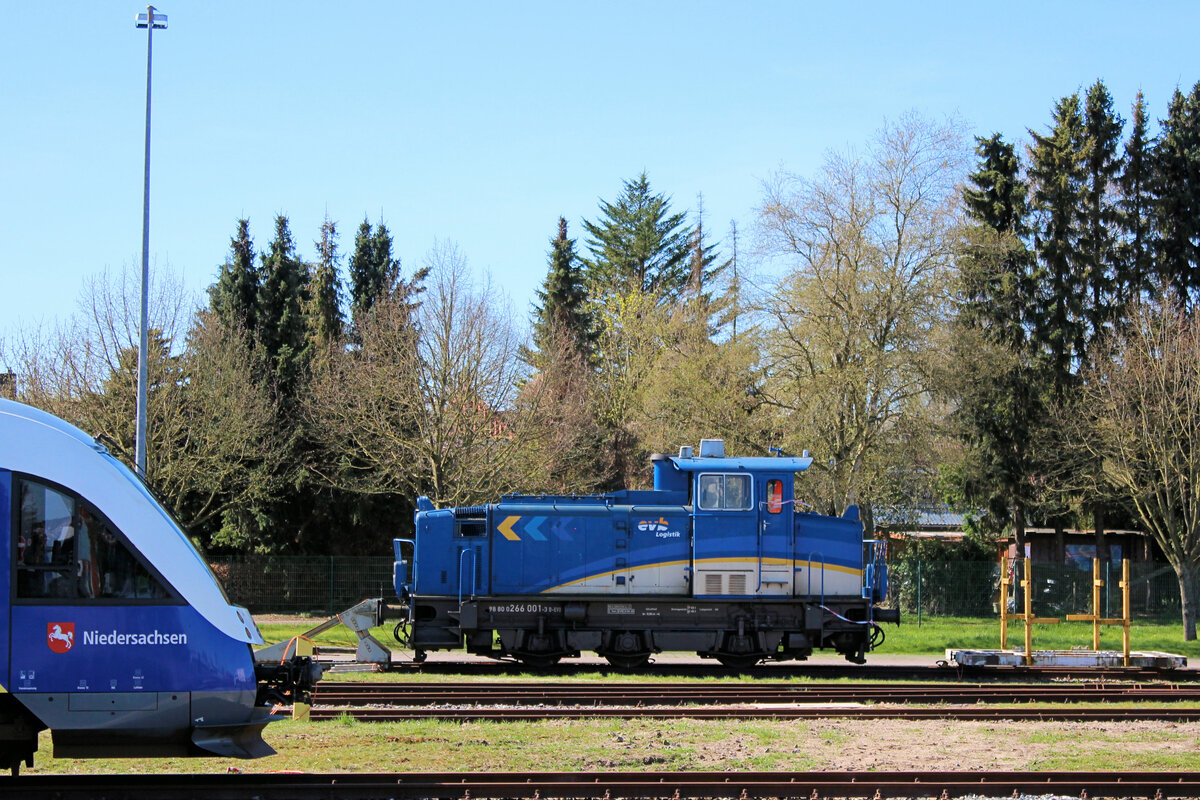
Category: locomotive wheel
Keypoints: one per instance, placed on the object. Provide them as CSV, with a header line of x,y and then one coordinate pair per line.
x,y
627,660
737,661
538,660
627,650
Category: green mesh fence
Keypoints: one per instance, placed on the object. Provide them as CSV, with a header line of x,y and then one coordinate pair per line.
x,y
329,584
972,588
303,584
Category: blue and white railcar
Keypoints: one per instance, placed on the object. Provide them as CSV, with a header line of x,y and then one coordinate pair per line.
x,y
116,636
717,559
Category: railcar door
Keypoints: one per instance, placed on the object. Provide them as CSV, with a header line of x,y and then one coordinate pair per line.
x,y
775,523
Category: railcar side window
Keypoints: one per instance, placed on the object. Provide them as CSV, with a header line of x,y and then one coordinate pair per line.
x,y
774,496
727,492
67,550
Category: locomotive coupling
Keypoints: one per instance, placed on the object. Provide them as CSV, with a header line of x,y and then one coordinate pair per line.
x,y
887,615
287,682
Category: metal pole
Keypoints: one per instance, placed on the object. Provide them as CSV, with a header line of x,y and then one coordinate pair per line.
x,y
144,335
918,592
143,328
1003,602
1027,585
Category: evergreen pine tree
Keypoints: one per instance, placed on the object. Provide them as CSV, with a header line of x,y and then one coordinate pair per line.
x,y
733,310
375,272
387,268
703,269
1099,240
365,281
1136,205
234,297
996,283
563,301
325,322
1177,186
281,323
1057,174
999,401
638,245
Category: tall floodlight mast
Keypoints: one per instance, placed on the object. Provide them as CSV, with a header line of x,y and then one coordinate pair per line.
x,y
150,20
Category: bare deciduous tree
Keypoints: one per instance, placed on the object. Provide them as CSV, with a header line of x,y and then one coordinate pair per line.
x,y
854,318
1141,409
425,405
565,447
210,425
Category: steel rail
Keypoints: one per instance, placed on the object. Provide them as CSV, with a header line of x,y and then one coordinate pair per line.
x,y
545,785
766,711
805,670
414,694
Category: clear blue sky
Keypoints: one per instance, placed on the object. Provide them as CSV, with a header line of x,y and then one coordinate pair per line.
x,y
481,123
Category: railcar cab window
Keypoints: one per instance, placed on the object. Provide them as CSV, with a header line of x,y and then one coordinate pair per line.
x,y
725,493
66,550
774,496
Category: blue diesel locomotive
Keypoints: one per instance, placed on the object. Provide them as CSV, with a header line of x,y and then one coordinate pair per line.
x,y
717,559
116,635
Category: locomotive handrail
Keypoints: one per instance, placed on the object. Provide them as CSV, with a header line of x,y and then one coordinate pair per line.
x,y
811,556
461,560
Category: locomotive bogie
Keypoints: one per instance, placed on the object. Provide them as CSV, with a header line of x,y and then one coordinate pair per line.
x,y
543,631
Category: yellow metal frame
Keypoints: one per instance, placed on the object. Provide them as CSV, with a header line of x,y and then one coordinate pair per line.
x,y
1097,620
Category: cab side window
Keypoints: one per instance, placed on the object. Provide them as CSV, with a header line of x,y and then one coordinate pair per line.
x,y
774,496
67,550
725,492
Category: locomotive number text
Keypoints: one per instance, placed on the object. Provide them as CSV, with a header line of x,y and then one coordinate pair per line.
x,y
524,608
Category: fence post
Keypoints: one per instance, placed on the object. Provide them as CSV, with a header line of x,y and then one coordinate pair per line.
x,y
919,562
332,601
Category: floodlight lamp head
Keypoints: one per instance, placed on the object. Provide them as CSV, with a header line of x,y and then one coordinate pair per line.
x,y
160,20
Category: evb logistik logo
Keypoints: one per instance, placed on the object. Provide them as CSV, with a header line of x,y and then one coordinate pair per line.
x,y
60,636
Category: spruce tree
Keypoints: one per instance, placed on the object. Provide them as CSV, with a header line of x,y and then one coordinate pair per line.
x,y
638,245
563,301
1177,185
703,272
999,400
375,272
281,299
325,322
996,282
234,297
1136,205
733,310
1099,230
387,267
365,280
1057,174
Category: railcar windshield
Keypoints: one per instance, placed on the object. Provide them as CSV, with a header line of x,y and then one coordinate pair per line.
x,y
164,508
66,549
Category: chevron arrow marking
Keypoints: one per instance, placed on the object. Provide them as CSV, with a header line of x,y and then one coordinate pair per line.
x,y
506,529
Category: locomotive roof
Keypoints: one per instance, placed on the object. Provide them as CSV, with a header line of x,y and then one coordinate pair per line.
x,y
39,444
751,463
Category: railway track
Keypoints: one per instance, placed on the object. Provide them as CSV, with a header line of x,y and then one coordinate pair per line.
x,y
812,671
532,714
331,693
698,785
497,702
